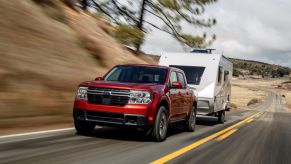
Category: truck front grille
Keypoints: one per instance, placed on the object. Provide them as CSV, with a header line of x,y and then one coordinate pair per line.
x,y
105,96
115,118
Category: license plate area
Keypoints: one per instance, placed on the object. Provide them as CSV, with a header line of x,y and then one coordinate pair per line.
x,y
106,100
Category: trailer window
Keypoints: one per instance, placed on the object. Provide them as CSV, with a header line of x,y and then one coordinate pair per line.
x,y
226,73
219,75
193,74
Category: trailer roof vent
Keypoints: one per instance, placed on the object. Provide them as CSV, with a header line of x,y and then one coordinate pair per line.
x,y
203,51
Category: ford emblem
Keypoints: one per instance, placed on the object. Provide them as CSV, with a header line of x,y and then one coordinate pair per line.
x,y
107,93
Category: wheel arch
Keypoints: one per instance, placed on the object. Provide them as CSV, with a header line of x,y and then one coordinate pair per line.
x,y
164,101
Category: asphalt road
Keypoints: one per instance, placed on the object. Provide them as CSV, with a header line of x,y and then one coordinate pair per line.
x,y
256,136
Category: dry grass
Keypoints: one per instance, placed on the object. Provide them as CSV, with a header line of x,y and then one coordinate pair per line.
x,y
46,50
97,42
286,96
241,96
270,84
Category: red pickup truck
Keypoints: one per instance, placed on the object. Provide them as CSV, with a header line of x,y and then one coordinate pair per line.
x,y
144,96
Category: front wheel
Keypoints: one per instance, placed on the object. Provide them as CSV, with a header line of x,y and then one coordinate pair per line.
x,y
160,128
83,128
191,122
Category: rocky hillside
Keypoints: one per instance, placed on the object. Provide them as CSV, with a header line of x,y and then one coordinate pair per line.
x,y
249,67
46,49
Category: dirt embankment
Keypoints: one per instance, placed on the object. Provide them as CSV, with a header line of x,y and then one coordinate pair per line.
x,y
46,49
241,95
284,89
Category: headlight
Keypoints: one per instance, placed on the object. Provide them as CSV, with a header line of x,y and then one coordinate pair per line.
x,y
82,93
139,97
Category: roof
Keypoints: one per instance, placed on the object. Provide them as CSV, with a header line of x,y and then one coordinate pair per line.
x,y
217,55
145,65
152,65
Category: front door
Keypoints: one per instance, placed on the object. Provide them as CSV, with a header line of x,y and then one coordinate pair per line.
x,y
184,96
175,98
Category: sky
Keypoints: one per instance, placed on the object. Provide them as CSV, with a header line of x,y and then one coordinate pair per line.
x,y
255,30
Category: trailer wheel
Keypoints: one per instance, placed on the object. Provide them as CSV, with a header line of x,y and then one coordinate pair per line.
x,y
221,116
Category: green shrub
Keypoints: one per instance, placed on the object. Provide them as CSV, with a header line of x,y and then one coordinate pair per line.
x,y
129,35
236,73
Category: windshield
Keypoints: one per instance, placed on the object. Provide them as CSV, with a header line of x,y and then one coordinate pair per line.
x,y
193,74
137,74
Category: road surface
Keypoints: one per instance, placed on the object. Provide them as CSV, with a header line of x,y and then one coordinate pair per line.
x,y
249,136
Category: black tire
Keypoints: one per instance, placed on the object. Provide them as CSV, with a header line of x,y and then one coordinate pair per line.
x,y
159,132
191,121
221,116
84,128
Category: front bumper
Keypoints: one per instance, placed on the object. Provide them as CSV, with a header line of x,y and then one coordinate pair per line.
x,y
110,119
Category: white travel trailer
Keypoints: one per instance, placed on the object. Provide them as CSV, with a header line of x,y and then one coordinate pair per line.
x,y
210,74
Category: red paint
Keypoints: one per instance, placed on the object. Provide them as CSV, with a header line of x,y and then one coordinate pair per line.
x,y
178,105
177,85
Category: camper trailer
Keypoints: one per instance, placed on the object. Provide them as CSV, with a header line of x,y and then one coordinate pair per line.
x,y
210,74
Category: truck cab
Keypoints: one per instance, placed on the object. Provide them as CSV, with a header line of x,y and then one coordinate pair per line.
x,y
147,97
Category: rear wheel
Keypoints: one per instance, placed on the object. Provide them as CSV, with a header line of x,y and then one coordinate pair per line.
x,y
84,128
221,116
160,128
191,122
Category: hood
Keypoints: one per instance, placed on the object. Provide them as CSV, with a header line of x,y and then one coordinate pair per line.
x,y
119,85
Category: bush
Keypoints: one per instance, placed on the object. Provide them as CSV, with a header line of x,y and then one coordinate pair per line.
x,y
286,82
253,101
233,106
236,73
283,71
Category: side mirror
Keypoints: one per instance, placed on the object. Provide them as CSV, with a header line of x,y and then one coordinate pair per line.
x,y
98,78
176,85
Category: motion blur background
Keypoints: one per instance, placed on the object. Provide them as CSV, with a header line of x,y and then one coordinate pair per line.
x,y
47,47
46,50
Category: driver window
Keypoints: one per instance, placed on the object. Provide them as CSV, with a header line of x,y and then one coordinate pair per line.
x,y
173,77
182,79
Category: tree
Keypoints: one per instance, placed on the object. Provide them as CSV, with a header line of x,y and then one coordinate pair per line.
x,y
168,16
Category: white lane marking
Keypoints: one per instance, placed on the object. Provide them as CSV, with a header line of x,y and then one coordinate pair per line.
x,y
34,133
